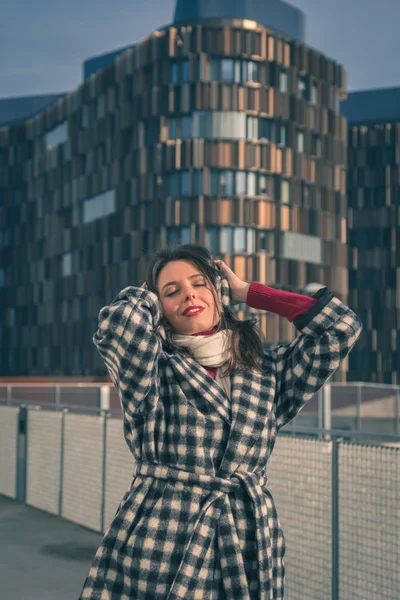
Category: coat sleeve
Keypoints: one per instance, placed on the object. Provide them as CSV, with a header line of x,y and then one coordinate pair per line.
x,y
130,347
329,331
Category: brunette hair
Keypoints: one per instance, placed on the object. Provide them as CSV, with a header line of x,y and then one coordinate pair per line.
x,y
246,346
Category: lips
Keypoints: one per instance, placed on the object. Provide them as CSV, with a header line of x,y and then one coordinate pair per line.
x,y
192,311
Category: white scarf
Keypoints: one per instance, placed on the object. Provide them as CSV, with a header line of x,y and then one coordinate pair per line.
x,y
210,351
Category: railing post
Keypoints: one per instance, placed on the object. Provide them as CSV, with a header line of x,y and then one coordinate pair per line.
x,y
326,405
104,403
22,448
58,395
62,445
104,473
9,394
397,410
359,400
335,518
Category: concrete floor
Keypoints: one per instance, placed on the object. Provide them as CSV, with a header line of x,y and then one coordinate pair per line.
x,y
42,557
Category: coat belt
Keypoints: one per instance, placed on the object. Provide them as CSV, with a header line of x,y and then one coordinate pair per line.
x,y
216,515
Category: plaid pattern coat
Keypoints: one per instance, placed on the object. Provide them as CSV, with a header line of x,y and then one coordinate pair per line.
x,y
199,522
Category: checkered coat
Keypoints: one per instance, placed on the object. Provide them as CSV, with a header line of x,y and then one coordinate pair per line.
x,y
199,522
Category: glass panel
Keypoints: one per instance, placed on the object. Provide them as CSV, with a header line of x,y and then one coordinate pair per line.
x,y
226,239
282,135
67,264
240,183
214,70
263,185
237,71
283,81
252,128
185,71
186,124
302,88
214,183
284,191
175,73
172,235
226,183
314,92
251,241
186,236
300,141
212,238
173,128
227,70
252,72
198,182
173,184
316,146
267,242
185,183
56,136
266,128
239,239
251,184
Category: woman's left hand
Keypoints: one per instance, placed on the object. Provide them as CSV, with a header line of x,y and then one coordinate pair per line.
x,y
238,287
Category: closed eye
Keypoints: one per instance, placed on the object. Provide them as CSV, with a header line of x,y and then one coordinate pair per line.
x,y
195,285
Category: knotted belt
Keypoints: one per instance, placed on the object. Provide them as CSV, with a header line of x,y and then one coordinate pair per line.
x,y
216,514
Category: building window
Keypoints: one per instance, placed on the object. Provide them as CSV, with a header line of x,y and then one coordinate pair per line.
x,y
56,136
252,128
185,183
314,92
302,88
180,71
186,127
173,128
99,206
250,71
262,185
67,264
197,183
285,191
300,141
316,146
251,184
282,137
212,238
297,246
219,124
241,188
267,242
227,70
239,239
226,183
283,81
266,129
226,239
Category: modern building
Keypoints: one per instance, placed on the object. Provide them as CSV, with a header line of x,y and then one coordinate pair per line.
x,y
221,128
374,231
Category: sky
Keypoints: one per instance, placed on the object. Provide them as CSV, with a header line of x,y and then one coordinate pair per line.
x,y
44,43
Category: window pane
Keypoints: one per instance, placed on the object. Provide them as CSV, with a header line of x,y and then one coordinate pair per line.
x,y
185,71
214,70
283,82
186,236
237,71
227,70
302,88
300,141
282,135
225,239
265,132
239,239
172,235
251,184
252,128
212,238
267,242
173,128
186,124
314,92
262,185
173,184
252,71
284,191
185,183
214,183
240,183
198,182
175,73
251,241
226,183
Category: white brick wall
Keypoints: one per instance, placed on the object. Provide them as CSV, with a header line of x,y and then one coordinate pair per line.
x,y
119,469
83,463
43,460
8,450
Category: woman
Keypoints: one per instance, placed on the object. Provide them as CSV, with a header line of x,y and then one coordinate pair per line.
x,y
202,406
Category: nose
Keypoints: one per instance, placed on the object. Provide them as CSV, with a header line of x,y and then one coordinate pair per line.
x,y
189,294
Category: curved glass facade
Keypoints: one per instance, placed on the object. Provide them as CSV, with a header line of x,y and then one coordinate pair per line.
x,y
210,132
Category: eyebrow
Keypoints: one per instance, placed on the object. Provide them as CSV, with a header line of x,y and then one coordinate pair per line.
x,y
176,282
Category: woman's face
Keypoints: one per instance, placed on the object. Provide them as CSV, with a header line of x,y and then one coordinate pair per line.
x,y
186,298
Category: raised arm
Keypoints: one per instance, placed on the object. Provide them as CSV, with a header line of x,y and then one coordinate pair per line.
x,y
129,346
329,330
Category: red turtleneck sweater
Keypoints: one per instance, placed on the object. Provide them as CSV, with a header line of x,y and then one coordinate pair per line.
x,y
284,304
